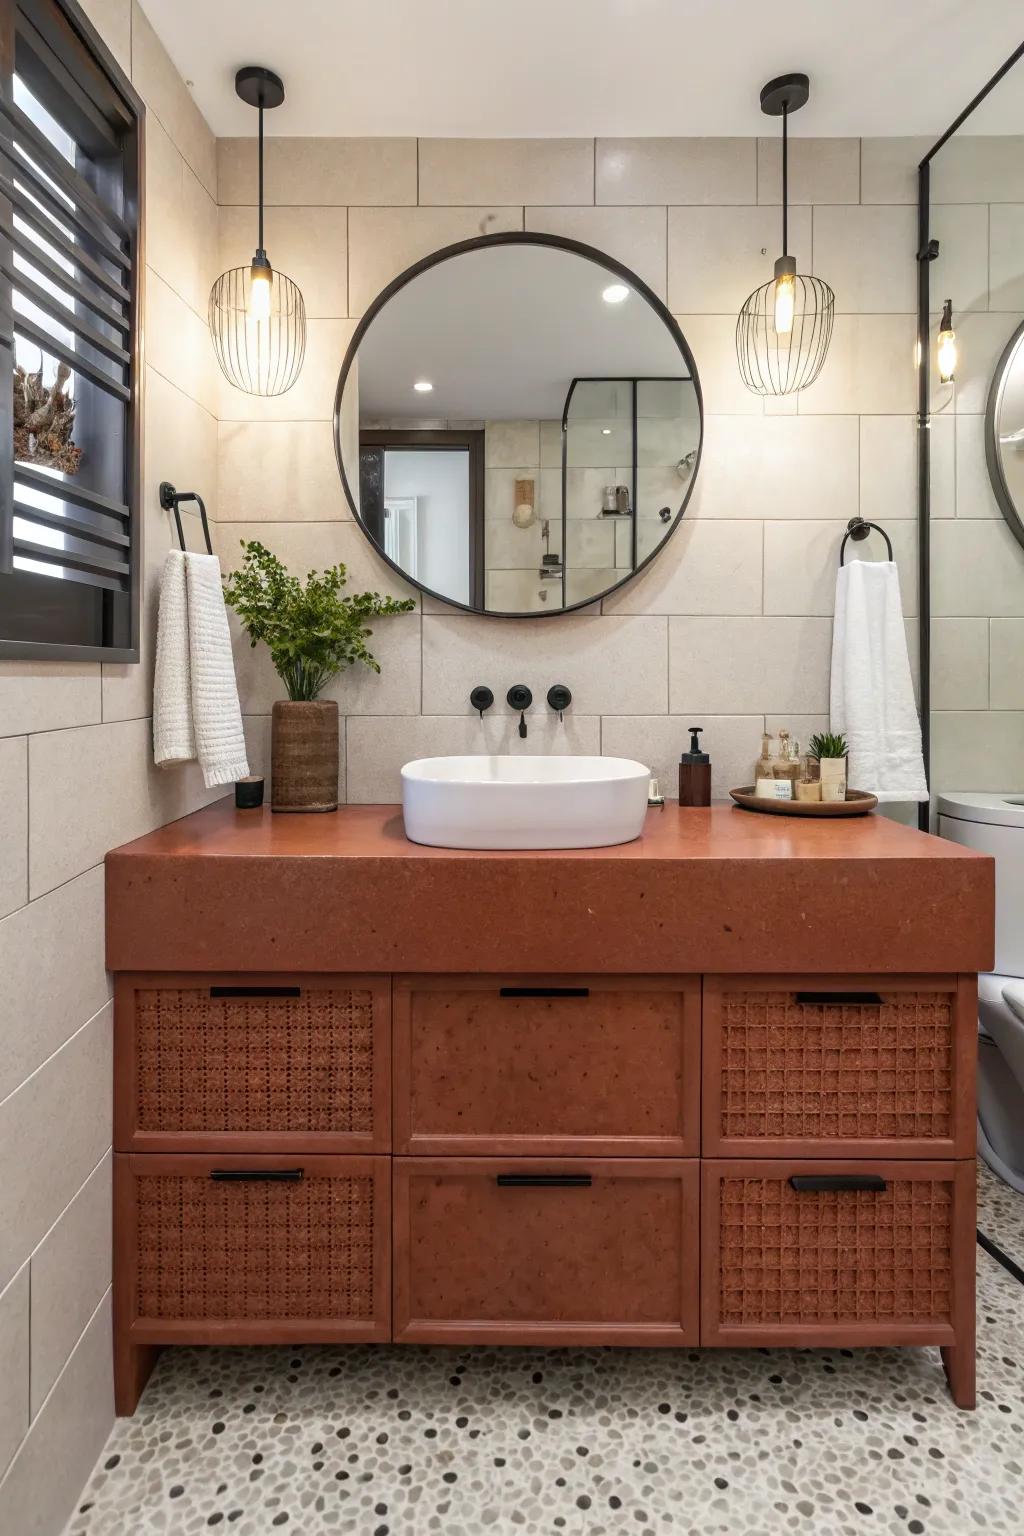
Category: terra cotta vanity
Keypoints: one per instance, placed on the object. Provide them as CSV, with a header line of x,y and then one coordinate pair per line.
x,y
711,1087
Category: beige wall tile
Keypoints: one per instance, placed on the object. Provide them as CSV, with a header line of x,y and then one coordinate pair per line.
x,y
310,172
178,344
277,471
705,567
14,1367
310,245
305,547
801,563
715,255
749,665
378,748
612,665
979,751
198,253
1006,270
311,397
13,823
383,242
634,236
168,98
512,444
53,1131
395,690
960,270
888,169
888,467
820,170
676,171
712,340
70,1273
733,743
960,662
974,494
45,695
977,569
113,21
869,368
1007,666
42,1487
165,173
467,172
980,341
979,168
778,466
866,257
42,1005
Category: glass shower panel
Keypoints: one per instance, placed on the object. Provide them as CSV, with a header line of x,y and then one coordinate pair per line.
x,y
667,434
599,486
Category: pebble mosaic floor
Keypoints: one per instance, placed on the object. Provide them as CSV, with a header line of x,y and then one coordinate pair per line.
x,y
374,1441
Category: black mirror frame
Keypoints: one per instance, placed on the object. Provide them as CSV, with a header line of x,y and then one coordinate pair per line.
x,y
481,242
1012,514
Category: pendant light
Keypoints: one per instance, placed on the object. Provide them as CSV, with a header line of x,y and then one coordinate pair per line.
x,y
257,316
946,355
784,328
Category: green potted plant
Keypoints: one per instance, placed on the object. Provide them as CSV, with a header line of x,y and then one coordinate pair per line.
x,y
831,751
313,631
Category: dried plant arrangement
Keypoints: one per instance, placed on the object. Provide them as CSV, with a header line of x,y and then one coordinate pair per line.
x,y
44,420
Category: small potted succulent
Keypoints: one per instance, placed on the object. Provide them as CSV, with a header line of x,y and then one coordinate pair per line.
x,y
830,751
313,631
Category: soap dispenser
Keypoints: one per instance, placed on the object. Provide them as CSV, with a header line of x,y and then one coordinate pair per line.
x,y
695,772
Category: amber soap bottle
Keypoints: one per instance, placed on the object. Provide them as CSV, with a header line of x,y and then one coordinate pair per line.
x,y
695,772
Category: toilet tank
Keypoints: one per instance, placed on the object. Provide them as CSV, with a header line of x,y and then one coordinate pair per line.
x,y
994,824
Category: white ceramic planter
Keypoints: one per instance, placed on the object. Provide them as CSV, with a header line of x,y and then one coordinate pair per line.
x,y
833,778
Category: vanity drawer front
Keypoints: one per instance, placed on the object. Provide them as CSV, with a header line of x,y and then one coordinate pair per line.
x,y
252,1249
514,1065
275,1063
539,1251
838,1252
866,1066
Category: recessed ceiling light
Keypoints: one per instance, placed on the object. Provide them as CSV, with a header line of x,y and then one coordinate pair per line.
x,y
606,431
423,386
615,293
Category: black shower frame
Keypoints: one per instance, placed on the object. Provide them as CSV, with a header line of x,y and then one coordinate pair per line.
x,y
927,250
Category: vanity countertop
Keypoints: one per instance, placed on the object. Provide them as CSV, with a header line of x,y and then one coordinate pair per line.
x,y
709,890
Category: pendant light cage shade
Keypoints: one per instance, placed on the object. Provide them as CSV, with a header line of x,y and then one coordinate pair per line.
x,y
780,363
262,357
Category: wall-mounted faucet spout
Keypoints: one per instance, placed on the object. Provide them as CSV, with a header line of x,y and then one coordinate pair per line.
x,y
519,697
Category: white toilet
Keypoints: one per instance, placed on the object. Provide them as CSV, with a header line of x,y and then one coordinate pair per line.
x,y
994,824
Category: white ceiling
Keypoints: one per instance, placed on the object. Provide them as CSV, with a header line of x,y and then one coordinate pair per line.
x,y
509,68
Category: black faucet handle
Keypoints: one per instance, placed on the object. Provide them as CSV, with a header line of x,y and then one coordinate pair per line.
x,y
519,696
481,698
559,698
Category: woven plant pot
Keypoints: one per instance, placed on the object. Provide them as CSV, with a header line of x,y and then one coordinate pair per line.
x,y
304,755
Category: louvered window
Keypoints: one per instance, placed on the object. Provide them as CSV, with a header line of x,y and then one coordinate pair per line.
x,y
70,201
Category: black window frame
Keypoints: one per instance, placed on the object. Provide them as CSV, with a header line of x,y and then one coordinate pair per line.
x,y
54,48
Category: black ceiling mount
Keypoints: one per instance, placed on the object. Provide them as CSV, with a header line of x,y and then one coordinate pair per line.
x,y
259,87
787,93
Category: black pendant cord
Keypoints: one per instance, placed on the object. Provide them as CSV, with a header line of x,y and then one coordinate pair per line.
x,y
995,1252
785,181
261,178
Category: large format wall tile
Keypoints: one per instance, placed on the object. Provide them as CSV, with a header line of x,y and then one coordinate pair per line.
x,y
467,172
801,563
383,242
615,666
43,1004
53,1131
748,665
279,471
712,340
960,271
888,467
14,1366
113,21
178,343
866,257
974,494
395,690
676,171
310,546
778,466
633,236
960,664
977,569
1006,270
309,245
718,256
316,173
888,169
705,567
70,1273
820,171
981,339
311,397
13,823
1006,671
166,96
980,750
869,369
45,695
733,743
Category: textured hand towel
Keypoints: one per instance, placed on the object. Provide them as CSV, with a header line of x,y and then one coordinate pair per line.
x,y
195,696
872,701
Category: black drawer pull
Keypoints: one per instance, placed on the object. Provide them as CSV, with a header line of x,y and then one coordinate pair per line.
x,y
544,992
543,1180
255,991
854,999
813,1183
256,1175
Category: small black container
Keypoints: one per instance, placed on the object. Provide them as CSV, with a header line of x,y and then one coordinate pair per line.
x,y
695,772
249,793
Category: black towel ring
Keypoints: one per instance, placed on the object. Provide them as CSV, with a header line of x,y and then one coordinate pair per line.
x,y
858,528
170,501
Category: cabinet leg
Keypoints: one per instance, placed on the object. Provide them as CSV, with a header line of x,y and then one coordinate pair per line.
x,y
133,1364
958,1363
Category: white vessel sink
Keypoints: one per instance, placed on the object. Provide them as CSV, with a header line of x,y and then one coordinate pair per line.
x,y
524,802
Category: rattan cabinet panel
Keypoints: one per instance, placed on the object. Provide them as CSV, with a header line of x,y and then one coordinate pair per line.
x,y
294,1064
244,1250
819,1066
837,1252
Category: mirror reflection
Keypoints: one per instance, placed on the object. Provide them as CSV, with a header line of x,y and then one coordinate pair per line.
x,y
519,425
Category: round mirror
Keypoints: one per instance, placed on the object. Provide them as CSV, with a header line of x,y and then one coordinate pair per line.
x,y
1004,434
518,424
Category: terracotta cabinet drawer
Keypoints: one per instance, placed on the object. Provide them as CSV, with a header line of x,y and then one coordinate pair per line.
x,y
536,1252
818,1066
522,1065
272,1063
235,1250
843,1253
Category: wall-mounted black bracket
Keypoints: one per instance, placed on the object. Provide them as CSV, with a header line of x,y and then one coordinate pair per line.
x,y
929,252
170,501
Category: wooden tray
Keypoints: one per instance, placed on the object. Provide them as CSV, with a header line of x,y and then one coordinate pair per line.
x,y
857,803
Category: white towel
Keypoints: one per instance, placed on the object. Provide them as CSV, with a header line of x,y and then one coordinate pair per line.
x,y
195,696
872,700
